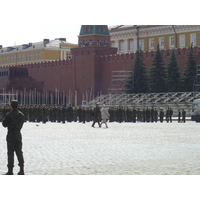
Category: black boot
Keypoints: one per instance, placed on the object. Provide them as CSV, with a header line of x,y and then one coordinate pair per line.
x,y
10,171
21,172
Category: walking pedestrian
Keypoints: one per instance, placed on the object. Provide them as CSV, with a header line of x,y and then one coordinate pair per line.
x,y
14,121
96,115
104,115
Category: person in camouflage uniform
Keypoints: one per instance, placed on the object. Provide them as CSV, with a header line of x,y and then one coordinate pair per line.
x,y
79,112
69,111
55,113
120,114
148,115
179,116
14,121
45,114
167,115
63,114
170,115
84,115
155,115
88,114
183,115
143,115
161,115
152,114
75,114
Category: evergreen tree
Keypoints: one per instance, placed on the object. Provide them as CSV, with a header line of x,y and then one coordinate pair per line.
x,y
190,71
173,74
137,82
157,73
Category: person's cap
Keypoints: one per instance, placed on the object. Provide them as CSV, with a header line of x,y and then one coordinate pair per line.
x,y
98,103
14,103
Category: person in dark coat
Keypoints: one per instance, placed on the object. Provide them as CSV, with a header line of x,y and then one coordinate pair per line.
x,y
179,116
96,115
14,121
183,115
161,115
167,115
170,114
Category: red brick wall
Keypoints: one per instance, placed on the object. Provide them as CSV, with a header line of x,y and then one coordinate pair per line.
x,y
90,69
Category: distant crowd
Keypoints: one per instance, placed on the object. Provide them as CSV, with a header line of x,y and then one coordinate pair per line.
x,y
63,114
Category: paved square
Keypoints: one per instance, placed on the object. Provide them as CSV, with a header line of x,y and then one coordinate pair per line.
x,y
123,148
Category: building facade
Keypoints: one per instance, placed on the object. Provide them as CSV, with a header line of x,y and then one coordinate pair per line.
x,y
129,38
47,50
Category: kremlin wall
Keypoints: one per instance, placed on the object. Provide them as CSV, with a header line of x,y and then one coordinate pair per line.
x,y
84,77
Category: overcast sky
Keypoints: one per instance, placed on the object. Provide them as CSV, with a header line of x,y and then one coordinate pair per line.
x,y
25,21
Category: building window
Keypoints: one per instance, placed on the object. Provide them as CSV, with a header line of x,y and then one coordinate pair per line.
x,y
5,60
19,58
171,41
182,40
193,39
121,46
151,44
28,57
37,56
131,45
141,44
11,59
161,42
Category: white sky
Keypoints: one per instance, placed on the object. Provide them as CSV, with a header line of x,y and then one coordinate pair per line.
x,y
25,21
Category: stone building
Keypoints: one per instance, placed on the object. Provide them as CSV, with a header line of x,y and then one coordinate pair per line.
x,y
94,69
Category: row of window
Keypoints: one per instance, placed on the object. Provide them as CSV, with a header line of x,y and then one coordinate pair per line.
x,y
13,73
21,58
151,43
4,73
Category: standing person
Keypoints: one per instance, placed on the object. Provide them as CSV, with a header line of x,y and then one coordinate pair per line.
x,y
155,115
183,115
152,114
161,115
179,116
96,114
148,114
170,114
167,115
14,121
104,115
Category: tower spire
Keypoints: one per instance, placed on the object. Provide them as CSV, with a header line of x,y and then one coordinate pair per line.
x,y
94,35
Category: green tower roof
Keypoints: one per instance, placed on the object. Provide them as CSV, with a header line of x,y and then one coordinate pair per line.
x,y
94,30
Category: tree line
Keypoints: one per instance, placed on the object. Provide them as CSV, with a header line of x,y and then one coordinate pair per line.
x,y
160,78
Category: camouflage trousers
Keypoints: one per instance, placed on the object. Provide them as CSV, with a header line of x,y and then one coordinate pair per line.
x,y
15,146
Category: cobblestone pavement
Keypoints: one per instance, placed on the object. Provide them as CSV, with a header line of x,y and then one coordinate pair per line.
x,y
123,148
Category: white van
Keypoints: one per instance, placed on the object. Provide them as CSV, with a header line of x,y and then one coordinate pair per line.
x,y
195,114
